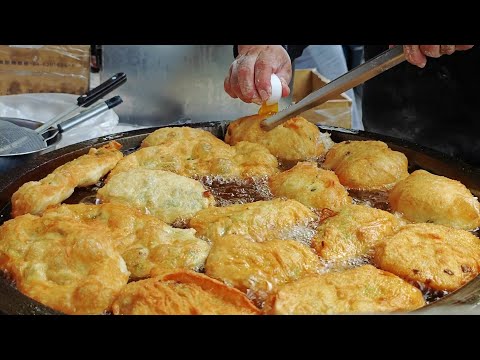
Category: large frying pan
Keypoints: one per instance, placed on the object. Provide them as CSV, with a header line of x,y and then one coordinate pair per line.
x,y
13,302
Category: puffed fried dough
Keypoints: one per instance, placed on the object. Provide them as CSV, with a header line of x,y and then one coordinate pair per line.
x,y
168,196
170,135
35,196
313,187
440,257
182,293
68,266
425,197
366,165
148,245
260,221
259,267
353,232
364,289
193,159
297,139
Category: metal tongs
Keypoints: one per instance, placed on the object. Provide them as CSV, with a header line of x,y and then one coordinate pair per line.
x,y
347,81
87,99
16,139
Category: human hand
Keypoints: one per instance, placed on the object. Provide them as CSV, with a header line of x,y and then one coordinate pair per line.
x,y
249,76
417,54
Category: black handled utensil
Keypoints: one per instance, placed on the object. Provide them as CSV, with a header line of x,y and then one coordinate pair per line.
x,y
15,140
87,99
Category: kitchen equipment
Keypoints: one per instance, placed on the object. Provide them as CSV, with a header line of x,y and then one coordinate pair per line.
x,y
8,161
52,138
347,81
13,302
90,113
17,140
88,98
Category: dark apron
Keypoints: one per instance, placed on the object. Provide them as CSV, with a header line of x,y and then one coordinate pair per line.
x,y
437,107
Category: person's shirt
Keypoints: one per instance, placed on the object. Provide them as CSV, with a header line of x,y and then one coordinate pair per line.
x,y
436,106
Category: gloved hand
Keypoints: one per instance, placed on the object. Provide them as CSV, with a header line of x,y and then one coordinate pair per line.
x,y
249,75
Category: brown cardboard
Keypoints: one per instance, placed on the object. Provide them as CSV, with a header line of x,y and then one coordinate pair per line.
x,y
336,112
44,69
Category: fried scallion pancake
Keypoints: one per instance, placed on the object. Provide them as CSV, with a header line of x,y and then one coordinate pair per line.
x,y
437,256
166,195
313,187
361,290
66,265
366,165
353,232
34,197
295,140
202,158
172,135
182,293
148,245
259,221
259,267
429,198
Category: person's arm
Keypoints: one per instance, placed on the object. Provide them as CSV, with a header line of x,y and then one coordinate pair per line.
x,y
249,76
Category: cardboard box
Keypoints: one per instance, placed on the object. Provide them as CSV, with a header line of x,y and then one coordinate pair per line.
x,y
44,69
336,112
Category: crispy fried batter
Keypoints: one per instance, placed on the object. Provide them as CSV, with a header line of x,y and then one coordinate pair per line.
x,y
313,187
425,197
259,267
66,265
295,140
200,158
168,196
172,135
148,245
259,221
353,232
360,290
182,293
35,196
440,257
366,165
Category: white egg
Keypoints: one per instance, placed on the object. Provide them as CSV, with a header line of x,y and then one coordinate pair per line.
x,y
276,90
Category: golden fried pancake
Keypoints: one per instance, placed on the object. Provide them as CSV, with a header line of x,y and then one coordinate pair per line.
x,y
313,187
353,232
148,245
35,196
366,165
259,267
171,135
424,197
295,140
67,265
182,293
168,196
440,257
260,221
198,158
360,290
